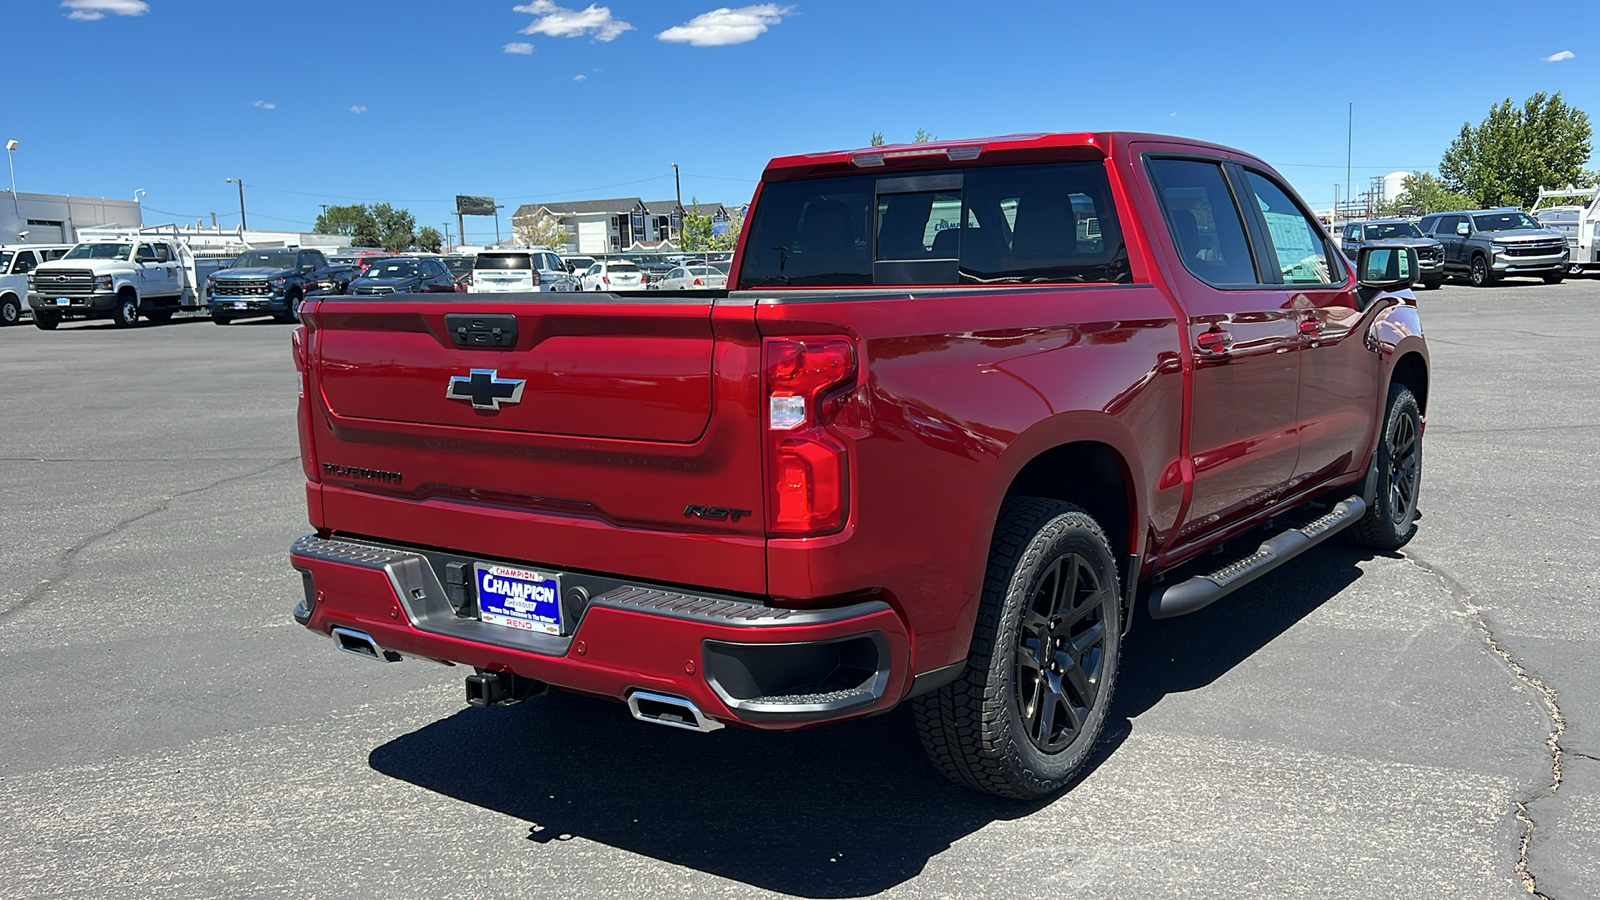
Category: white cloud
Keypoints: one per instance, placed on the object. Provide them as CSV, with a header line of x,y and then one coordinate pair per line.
x,y
580,78
264,104
93,10
519,48
721,27
557,21
358,109
1558,57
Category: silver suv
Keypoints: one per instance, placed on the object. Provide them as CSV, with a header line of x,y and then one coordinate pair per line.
x,y
1489,244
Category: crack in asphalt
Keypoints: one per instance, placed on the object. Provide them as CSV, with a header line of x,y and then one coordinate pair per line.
x,y
1547,695
68,558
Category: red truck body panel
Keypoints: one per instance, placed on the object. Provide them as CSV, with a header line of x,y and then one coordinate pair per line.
x,y
639,448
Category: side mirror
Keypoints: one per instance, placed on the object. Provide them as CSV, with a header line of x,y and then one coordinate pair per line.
x,y
1386,268
1463,229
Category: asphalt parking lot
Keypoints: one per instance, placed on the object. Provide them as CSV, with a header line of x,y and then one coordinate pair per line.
x,y
1422,725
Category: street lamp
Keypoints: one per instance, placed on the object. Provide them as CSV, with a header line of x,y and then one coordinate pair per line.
x,y
138,194
10,147
240,183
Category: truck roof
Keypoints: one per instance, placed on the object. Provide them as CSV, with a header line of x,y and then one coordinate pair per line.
x,y
1079,144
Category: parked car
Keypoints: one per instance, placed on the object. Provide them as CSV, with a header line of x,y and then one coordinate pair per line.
x,y
1575,212
516,271
404,275
577,265
15,264
1486,245
893,464
1402,232
359,260
613,275
686,278
118,280
264,283
332,279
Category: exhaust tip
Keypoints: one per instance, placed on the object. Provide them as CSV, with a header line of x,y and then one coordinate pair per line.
x,y
673,712
361,644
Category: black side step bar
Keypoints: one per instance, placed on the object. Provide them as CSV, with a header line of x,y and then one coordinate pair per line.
x,y
1201,591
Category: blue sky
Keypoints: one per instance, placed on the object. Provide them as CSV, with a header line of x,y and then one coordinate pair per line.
x,y
414,101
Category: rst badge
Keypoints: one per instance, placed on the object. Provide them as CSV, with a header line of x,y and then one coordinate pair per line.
x,y
485,389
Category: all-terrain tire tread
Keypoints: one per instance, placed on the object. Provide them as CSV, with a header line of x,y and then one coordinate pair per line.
x,y
955,723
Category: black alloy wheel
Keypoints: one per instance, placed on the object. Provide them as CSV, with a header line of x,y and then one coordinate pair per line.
x,y
1391,521
10,311
1480,276
1061,653
1024,715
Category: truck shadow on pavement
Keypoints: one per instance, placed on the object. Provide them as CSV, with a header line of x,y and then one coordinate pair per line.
x,y
841,811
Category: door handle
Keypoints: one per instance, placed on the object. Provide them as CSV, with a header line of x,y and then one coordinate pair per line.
x,y
1311,329
1214,343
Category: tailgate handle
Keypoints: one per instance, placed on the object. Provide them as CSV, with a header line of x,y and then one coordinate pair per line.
x,y
482,332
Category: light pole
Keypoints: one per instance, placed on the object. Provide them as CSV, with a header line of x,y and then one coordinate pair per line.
x,y
678,187
10,147
447,233
240,183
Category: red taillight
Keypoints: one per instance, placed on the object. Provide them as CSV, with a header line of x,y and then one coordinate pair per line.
x,y
605,280
302,368
699,283
809,467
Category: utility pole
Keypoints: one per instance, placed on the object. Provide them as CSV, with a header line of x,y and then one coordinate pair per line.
x,y
447,232
240,183
1349,144
678,186
497,209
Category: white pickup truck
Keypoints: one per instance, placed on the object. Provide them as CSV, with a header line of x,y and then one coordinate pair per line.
x,y
16,262
118,280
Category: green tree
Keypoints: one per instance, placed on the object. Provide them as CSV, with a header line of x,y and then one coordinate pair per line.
x,y
1421,194
696,228
1516,150
429,239
924,136
398,228
355,221
877,139
543,231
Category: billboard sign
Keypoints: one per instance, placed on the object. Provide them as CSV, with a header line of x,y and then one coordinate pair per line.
x,y
474,206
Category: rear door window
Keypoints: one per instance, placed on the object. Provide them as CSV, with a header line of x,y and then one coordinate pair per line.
x,y
1206,225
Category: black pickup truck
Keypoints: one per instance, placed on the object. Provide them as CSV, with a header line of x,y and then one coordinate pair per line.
x,y
264,282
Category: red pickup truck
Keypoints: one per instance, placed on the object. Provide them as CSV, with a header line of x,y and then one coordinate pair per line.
x,y
964,405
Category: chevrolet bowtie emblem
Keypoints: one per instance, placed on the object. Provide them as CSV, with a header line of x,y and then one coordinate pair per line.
x,y
485,389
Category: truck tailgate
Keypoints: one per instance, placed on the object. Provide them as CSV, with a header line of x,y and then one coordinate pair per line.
x,y
583,444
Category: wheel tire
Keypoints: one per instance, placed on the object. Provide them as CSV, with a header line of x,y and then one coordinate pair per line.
x,y
45,321
10,311
1391,520
126,312
1480,274
221,318
159,316
991,729
1555,279
292,314
1433,284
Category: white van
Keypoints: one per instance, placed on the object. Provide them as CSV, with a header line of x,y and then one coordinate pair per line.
x,y
518,271
16,262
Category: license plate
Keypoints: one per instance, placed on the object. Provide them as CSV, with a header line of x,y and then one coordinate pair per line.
x,y
63,301
240,304
519,598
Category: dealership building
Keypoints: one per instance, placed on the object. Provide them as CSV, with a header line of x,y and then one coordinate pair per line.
x,y
55,218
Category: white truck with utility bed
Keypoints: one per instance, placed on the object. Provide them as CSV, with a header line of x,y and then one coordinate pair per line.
x,y
117,279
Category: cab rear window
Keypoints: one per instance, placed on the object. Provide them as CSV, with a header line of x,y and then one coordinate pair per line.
x,y
1050,223
503,261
